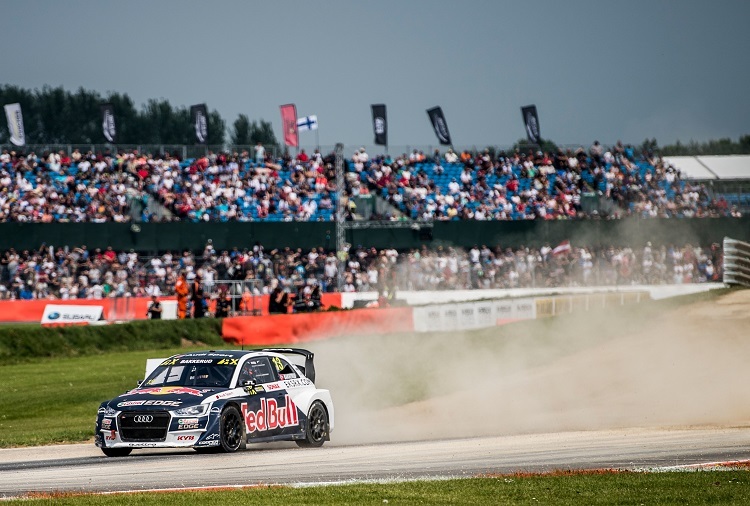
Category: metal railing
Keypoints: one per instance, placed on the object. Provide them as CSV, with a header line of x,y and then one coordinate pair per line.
x,y
243,296
567,304
736,262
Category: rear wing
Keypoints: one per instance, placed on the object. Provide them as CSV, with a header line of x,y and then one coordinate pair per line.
x,y
294,355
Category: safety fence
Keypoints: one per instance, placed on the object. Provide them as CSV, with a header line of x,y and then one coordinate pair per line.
x,y
134,308
567,304
288,329
736,262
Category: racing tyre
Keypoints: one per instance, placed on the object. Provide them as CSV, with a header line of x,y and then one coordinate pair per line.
x,y
117,452
232,430
317,427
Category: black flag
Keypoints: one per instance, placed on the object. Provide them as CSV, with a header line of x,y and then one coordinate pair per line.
x,y
531,120
199,115
439,124
108,123
380,124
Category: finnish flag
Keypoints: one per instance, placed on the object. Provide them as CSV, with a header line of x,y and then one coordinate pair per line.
x,y
307,123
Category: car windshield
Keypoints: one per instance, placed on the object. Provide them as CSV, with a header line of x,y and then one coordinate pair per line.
x,y
193,371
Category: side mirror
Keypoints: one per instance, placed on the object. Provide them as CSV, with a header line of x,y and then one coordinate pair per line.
x,y
139,383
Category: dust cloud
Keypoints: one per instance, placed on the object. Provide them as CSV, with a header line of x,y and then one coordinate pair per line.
x,y
655,365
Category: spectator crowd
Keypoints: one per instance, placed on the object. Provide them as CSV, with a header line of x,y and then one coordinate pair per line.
x,y
488,185
80,273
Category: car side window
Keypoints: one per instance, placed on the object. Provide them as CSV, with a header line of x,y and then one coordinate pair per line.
x,y
258,369
285,370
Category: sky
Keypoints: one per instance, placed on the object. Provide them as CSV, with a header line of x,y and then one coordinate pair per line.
x,y
596,70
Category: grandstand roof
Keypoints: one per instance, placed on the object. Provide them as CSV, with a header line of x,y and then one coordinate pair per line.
x,y
712,167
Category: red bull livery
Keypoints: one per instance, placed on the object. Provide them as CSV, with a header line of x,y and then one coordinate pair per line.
x,y
218,401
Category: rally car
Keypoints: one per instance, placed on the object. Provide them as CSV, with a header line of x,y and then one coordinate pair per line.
x,y
218,401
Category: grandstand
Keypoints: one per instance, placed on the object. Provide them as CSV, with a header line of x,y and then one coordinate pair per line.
x,y
728,177
427,215
133,187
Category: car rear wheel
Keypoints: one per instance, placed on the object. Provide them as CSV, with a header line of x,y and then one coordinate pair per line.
x,y
117,452
317,427
232,430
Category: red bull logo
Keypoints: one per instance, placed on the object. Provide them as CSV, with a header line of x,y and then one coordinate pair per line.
x,y
166,391
270,415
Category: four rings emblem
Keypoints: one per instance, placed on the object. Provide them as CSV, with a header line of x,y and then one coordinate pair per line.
x,y
143,419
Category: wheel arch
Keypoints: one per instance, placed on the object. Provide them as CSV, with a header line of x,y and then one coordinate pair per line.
x,y
304,400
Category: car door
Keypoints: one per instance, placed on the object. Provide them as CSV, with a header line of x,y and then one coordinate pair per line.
x,y
291,383
263,418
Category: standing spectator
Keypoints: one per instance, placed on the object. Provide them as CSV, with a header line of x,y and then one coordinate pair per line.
x,y
197,297
154,309
182,290
260,153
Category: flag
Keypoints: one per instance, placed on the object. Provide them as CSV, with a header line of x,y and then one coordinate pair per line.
x,y
289,124
531,120
15,124
437,118
307,123
199,115
108,123
563,247
380,124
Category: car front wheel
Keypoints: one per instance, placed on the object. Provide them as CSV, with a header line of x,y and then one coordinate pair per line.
x,y
317,427
232,430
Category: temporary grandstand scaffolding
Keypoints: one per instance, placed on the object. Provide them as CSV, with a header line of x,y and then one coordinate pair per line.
x,y
736,262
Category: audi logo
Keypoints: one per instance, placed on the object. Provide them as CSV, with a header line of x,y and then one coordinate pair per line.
x,y
143,419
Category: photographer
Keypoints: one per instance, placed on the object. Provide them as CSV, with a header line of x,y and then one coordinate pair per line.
x,y
278,301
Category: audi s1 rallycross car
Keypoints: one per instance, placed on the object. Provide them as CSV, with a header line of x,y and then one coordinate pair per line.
x,y
219,401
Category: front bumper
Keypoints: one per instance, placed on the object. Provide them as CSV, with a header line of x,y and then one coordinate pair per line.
x,y
175,432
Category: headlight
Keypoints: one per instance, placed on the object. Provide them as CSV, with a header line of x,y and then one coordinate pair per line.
x,y
199,410
108,411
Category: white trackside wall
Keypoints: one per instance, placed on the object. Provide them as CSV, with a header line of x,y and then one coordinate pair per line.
x,y
422,297
472,315
452,313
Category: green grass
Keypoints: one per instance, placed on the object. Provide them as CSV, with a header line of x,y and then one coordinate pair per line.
x,y
24,343
55,400
679,488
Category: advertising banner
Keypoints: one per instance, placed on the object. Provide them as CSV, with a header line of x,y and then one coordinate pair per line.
x,y
55,314
380,124
531,122
15,124
289,124
437,119
199,115
108,123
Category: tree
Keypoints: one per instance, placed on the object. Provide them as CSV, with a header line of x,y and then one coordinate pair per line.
x,y
216,129
649,146
241,130
545,145
263,132
127,120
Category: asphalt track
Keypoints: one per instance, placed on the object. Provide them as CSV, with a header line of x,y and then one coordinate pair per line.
x,y
82,468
